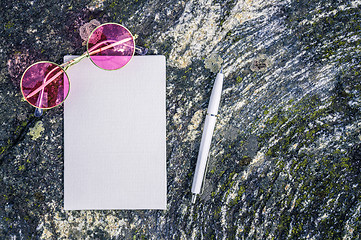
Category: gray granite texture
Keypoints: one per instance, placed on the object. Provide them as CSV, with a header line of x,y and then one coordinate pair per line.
x,y
286,154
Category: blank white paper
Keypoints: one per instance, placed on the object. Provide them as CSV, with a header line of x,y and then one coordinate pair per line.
x,y
115,136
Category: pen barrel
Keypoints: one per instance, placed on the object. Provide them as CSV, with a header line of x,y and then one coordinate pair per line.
x,y
203,153
215,95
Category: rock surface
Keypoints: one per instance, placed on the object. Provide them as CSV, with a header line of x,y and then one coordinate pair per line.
x,y
286,154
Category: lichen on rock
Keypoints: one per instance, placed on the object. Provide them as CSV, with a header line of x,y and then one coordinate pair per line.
x,y
36,131
213,63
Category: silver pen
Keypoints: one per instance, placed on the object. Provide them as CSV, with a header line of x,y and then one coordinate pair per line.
x,y
207,135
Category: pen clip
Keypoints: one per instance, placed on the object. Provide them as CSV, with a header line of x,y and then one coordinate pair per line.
x,y
213,115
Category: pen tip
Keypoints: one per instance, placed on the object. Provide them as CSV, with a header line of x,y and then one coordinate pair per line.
x,y
221,70
194,198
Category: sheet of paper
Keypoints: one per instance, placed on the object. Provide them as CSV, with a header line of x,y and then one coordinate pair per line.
x,y
115,136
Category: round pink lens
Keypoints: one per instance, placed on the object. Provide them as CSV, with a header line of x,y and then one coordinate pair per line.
x,y
45,85
111,46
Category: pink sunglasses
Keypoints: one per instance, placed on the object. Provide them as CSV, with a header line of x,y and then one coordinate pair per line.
x,y
46,84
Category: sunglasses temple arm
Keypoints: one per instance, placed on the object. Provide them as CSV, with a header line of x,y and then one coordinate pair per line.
x,y
141,50
38,112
